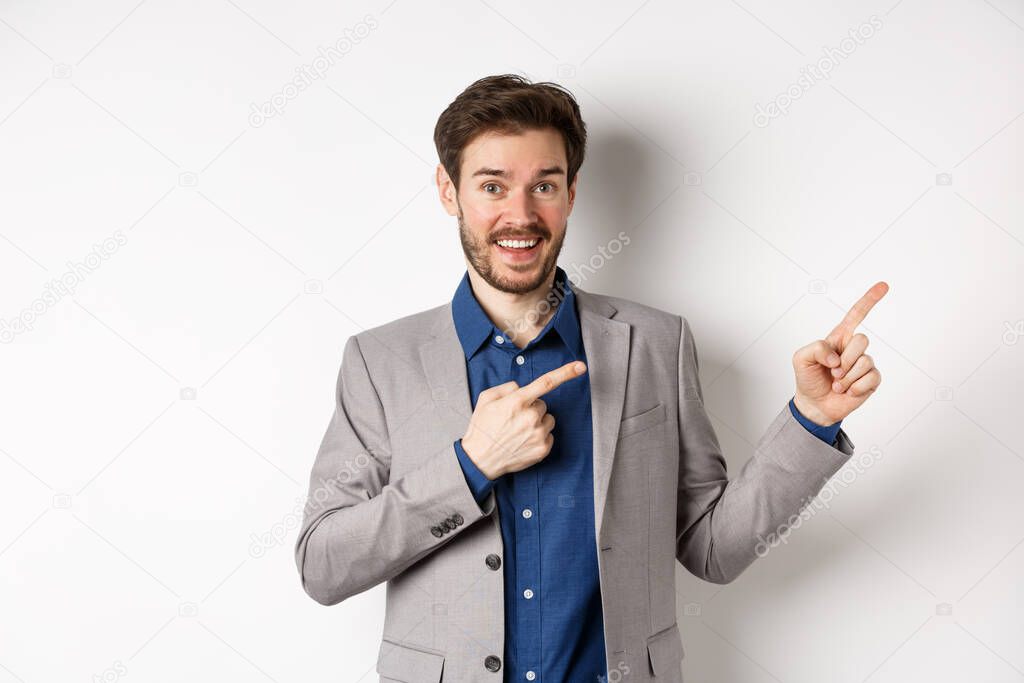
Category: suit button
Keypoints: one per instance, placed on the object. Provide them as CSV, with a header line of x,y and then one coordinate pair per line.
x,y
493,561
436,530
492,663
448,524
457,518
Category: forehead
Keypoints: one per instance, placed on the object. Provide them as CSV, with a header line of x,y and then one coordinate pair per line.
x,y
518,155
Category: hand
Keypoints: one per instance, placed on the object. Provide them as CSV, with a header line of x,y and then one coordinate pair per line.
x,y
510,428
833,375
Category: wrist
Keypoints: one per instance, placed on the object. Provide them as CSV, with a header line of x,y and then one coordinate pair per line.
x,y
810,412
476,455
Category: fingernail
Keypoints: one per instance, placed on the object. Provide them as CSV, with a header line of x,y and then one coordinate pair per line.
x,y
833,358
837,387
837,372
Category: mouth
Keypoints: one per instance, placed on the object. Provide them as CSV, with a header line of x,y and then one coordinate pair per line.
x,y
518,251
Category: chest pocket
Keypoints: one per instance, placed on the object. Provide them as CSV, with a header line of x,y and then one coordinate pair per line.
x,y
642,421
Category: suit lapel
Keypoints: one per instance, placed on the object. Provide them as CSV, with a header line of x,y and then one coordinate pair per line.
x,y
606,344
444,364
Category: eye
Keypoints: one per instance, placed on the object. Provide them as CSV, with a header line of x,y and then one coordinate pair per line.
x,y
549,184
489,185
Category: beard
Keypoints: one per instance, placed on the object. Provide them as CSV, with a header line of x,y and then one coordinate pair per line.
x,y
480,256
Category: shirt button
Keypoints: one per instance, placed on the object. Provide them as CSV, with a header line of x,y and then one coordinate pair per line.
x,y
530,675
520,360
527,593
499,339
492,663
527,513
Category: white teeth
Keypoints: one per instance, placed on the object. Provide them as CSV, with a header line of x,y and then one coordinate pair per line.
x,y
517,244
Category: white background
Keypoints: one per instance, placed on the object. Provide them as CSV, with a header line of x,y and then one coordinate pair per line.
x,y
166,413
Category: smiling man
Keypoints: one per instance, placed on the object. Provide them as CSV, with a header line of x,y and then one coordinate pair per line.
x,y
525,464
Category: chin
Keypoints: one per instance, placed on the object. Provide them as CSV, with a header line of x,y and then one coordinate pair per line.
x,y
519,281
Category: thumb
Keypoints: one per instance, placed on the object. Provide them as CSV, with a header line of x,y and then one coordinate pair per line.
x,y
818,352
496,392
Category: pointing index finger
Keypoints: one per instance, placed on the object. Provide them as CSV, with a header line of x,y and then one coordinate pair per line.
x,y
551,380
855,316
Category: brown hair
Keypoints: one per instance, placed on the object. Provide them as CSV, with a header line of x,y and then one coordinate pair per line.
x,y
509,104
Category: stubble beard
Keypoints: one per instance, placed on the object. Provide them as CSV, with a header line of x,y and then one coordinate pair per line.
x,y
479,255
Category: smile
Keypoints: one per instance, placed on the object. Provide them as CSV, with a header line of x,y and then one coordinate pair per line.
x,y
519,252
518,244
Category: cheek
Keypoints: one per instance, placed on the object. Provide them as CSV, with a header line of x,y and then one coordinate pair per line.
x,y
480,215
554,218
555,209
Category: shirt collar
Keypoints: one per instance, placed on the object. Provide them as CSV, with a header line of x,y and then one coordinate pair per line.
x,y
474,327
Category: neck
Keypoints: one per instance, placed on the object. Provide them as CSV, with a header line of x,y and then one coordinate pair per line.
x,y
520,316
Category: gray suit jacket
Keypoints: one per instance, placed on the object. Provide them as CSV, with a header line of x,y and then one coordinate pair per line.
x,y
389,502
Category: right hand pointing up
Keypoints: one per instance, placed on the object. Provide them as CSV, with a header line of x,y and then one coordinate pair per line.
x,y
510,428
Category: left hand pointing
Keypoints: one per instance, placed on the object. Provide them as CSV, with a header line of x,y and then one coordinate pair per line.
x,y
833,375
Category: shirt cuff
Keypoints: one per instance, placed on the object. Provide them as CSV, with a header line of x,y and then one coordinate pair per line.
x,y
826,433
478,482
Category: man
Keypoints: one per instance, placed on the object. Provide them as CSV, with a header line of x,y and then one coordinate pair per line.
x,y
525,464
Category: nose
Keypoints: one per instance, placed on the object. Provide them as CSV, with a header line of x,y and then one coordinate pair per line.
x,y
519,210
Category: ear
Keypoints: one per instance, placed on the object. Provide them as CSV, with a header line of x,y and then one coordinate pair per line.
x,y
572,192
446,190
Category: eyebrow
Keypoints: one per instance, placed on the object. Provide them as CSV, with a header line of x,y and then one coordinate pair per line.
x,y
501,173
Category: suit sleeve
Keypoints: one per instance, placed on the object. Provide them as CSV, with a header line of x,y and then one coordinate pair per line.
x,y
360,527
826,433
722,525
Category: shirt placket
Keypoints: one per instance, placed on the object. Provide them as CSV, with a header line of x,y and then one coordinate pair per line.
x,y
528,549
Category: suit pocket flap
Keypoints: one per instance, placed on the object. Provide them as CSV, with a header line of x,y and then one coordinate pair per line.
x,y
665,650
640,422
408,664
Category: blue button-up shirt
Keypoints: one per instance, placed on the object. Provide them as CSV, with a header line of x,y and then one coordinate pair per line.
x,y
554,623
